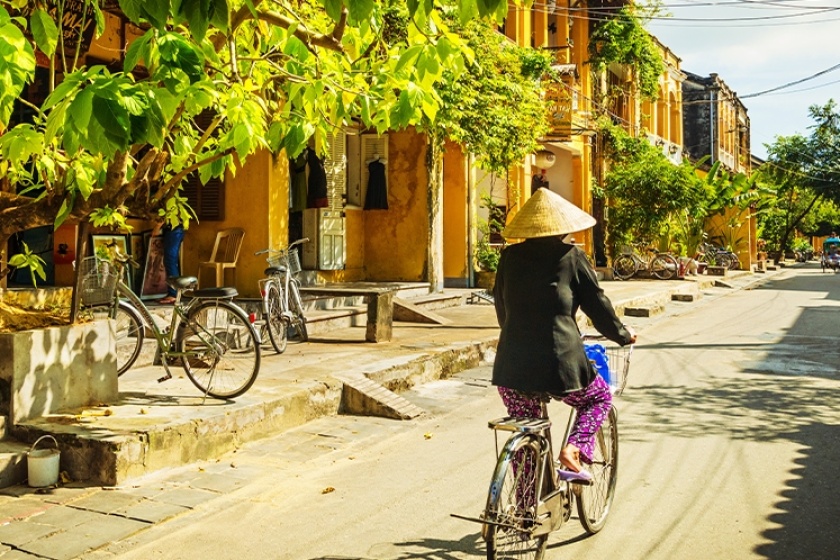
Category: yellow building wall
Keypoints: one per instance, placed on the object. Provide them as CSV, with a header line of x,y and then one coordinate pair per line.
x,y
396,240
456,186
256,200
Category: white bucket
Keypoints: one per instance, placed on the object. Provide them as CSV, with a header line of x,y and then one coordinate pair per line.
x,y
43,464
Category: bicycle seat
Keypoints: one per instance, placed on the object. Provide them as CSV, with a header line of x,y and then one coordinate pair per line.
x,y
214,293
272,270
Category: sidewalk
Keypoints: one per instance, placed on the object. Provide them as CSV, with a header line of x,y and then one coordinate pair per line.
x,y
155,426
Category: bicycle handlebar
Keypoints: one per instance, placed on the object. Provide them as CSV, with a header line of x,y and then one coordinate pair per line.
x,y
298,242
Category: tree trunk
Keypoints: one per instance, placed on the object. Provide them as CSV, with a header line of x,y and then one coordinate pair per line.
x,y
792,226
81,250
4,259
434,256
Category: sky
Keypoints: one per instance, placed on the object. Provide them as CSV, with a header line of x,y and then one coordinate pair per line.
x,y
758,45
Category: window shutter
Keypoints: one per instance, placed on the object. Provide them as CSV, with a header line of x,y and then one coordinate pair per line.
x,y
208,201
335,165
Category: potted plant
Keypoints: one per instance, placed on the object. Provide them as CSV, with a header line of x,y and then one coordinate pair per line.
x,y
487,253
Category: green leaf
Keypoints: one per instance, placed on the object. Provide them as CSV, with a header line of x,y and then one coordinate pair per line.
x,y
333,8
157,11
44,31
137,51
198,16
66,208
408,56
220,15
360,10
21,143
81,109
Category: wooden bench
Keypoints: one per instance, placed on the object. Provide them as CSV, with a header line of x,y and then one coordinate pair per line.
x,y
380,307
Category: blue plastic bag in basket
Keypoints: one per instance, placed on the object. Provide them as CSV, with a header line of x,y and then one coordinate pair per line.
x,y
597,355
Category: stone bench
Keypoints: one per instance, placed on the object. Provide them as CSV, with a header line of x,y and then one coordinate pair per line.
x,y
380,307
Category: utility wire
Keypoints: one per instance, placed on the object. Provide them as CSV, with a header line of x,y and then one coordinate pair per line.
x,y
789,84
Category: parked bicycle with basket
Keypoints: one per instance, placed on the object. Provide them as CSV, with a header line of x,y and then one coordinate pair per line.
x,y
210,336
281,301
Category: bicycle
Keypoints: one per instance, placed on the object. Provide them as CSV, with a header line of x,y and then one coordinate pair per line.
x,y
281,301
212,337
719,256
527,499
663,266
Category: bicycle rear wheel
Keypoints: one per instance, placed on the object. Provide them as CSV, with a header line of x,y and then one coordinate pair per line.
x,y
624,267
275,323
664,267
222,349
735,262
593,502
129,331
512,506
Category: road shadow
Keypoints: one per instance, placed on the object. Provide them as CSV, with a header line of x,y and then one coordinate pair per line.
x,y
468,546
809,508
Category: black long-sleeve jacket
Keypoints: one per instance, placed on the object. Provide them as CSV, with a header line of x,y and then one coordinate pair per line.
x,y
540,284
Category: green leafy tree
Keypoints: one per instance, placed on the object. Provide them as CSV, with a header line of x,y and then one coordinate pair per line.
x,y
804,171
115,140
644,190
622,39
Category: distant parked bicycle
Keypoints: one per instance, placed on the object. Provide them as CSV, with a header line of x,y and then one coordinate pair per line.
x,y
718,256
282,304
211,336
659,265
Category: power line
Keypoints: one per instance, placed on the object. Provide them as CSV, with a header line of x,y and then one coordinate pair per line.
x,y
789,84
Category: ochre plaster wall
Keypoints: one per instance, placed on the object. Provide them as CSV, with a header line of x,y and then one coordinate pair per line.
x,y
396,240
455,213
256,199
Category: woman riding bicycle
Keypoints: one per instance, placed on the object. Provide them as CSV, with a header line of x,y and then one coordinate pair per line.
x,y
540,284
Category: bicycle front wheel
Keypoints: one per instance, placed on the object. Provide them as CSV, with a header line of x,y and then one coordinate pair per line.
x,y
129,331
735,262
274,320
624,267
296,304
221,349
593,502
512,506
664,267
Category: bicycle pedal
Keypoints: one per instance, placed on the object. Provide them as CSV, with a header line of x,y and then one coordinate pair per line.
x,y
165,378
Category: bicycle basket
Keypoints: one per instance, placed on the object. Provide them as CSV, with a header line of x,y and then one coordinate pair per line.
x,y
98,281
289,259
611,361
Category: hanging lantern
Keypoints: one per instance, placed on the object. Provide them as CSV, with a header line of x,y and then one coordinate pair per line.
x,y
544,159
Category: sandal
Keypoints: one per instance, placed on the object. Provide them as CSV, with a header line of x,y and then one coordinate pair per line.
x,y
168,300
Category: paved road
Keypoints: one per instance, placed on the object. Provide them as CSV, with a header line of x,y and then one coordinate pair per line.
x,y
729,450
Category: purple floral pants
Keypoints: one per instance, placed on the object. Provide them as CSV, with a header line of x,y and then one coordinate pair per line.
x,y
592,405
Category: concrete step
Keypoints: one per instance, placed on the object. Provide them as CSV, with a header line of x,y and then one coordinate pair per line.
x,y
12,462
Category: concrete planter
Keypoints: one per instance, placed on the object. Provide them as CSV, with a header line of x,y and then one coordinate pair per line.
x,y
716,270
48,370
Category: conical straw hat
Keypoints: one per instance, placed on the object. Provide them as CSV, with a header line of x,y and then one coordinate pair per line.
x,y
547,213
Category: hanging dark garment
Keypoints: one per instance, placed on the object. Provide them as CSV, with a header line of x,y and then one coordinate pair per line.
x,y
538,181
317,194
297,171
377,191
